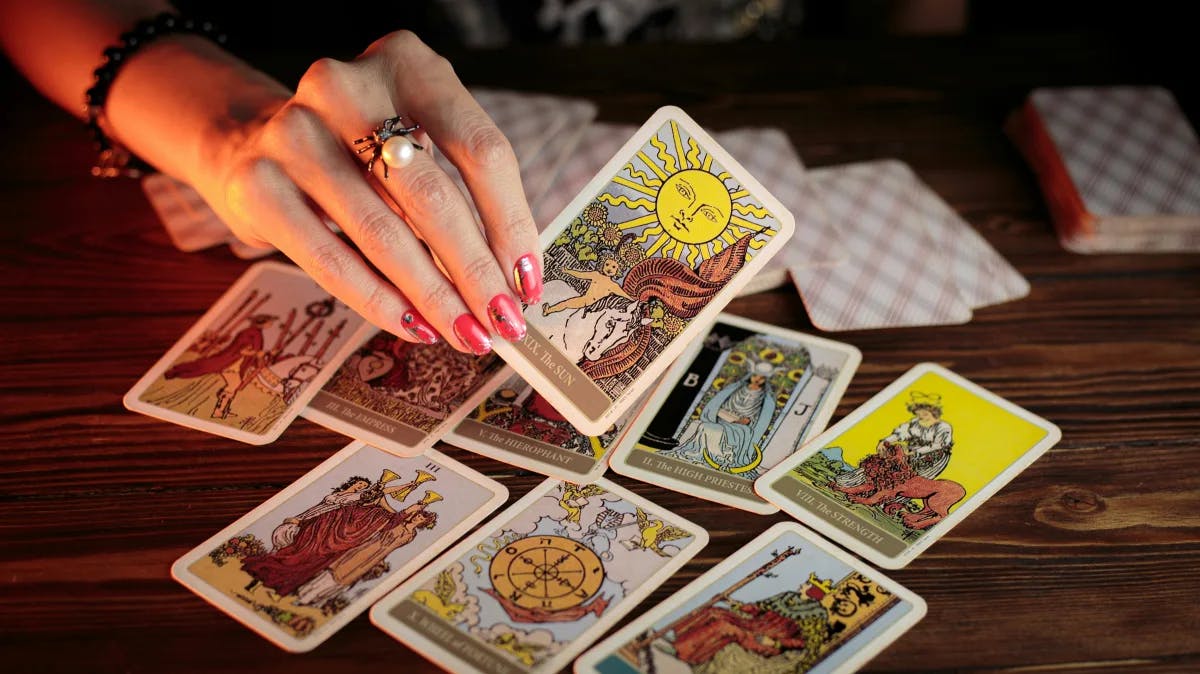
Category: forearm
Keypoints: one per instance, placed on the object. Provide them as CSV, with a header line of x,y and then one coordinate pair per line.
x,y
178,102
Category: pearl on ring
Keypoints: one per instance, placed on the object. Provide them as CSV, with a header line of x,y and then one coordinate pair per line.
x,y
398,151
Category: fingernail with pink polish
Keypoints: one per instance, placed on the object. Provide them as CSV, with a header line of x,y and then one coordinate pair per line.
x,y
527,277
506,317
418,327
471,334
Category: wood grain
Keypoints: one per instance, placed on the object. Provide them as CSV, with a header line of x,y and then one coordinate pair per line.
x,y
1082,563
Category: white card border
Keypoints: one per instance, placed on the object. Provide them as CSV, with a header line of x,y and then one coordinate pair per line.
x,y
899,561
450,662
439,432
620,453
452,437
253,273
586,664
634,392
181,573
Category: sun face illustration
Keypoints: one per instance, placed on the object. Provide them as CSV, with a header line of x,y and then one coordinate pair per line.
x,y
693,206
677,202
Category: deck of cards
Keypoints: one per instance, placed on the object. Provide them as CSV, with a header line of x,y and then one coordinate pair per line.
x,y
1119,167
629,363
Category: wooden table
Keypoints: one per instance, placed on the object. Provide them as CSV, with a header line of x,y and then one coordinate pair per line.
x,y
1086,561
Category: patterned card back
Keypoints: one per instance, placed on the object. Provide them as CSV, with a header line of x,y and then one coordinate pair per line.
x,y
1129,150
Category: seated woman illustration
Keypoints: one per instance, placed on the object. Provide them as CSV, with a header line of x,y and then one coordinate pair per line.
x,y
926,439
733,423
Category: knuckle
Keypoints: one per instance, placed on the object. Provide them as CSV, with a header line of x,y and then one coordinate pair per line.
x,y
433,193
323,75
478,269
294,121
402,40
518,225
249,181
437,297
378,229
377,305
401,47
329,263
438,64
487,147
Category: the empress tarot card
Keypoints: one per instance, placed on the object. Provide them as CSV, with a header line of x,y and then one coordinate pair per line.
x,y
548,576
737,402
402,396
787,602
300,566
638,265
517,425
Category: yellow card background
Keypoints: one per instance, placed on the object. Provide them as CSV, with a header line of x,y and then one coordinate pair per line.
x,y
987,438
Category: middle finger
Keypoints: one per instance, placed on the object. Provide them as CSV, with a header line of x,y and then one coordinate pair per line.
x,y
432,204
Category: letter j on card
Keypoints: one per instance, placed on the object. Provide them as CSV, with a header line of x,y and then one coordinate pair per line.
x,y
899,472
744,397
638,265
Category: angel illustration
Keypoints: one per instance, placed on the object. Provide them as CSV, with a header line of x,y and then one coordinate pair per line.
x,y
441,600
574,498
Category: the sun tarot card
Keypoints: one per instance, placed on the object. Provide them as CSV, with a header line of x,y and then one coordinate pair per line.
x,y
638,265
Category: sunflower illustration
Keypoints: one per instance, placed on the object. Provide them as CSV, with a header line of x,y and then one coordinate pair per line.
x,y
595,214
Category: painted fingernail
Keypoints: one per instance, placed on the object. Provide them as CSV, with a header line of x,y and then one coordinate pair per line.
x,y
418,327
470,333
506,317
527,277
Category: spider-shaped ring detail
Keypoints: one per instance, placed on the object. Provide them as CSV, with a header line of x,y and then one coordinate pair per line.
x,y
391,128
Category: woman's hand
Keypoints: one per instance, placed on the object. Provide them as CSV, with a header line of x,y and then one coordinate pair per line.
x,y
275,176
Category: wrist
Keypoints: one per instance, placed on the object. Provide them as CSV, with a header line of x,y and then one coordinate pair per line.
x,y
183,104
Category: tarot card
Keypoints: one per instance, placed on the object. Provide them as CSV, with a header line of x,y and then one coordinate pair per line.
x,y
518,426
786,602
548,576
768,154
254,360
638,265
894,273
538,173
737,402
300,566
910,463
402,396
596,145
190,223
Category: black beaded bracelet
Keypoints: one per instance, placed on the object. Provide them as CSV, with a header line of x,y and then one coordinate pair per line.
x,y
114,160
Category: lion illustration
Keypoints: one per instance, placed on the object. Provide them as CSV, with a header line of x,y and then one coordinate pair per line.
x,y
889,479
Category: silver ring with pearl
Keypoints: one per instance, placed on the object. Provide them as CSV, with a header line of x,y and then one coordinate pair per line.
x,y
389,141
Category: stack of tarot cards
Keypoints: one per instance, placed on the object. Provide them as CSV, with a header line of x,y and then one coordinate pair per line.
x,y
1119,167
653,381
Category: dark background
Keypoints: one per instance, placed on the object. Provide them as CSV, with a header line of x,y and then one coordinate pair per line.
x,y
1079,565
